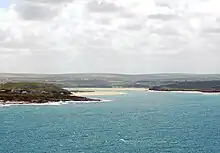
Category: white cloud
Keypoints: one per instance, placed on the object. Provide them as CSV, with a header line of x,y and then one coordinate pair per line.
x,y
132,36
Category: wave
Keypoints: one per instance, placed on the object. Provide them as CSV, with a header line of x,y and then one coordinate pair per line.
x,y
106,100
33,104
211,94
55,103
6,105
122,140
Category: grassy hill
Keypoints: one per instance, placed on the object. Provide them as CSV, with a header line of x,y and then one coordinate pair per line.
x,y
33,87
107,80
203,86
33,92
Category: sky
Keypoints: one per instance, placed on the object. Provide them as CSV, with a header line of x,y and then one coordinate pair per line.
x,y
3,3
110,36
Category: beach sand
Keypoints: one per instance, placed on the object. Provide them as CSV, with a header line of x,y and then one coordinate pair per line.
x,y
98,93
111,89
104,91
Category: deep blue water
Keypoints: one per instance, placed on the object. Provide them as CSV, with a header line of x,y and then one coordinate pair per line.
x,y
138,122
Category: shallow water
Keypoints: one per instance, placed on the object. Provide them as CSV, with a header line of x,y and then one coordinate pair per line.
x,y
139,122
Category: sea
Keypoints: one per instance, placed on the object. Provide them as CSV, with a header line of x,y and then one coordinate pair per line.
x,y
137,122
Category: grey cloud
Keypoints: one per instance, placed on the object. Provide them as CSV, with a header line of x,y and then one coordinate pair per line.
x,y
212,31
102,7
27,41
163,4
104,21
4,51
22,45
89,33
133,26
164,17
8,51
47,1
32,58
35,12
127,14
39,9
3,35
98,43
164,31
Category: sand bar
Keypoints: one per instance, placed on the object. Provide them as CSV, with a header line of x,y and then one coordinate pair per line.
x,y
104,91
99,93
110,89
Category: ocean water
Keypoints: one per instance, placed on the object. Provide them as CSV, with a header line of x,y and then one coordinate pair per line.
x,y
139,122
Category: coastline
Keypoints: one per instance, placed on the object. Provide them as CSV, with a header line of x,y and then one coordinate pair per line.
x,y
36,93
21,102
50,103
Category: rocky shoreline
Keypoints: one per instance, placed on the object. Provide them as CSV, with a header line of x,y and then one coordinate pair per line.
x,y
36,93
12,99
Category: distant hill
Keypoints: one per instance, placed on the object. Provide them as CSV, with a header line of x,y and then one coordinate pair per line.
x,y
107,80
202,86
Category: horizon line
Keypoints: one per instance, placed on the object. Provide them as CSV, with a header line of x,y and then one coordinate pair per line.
x,y
159,73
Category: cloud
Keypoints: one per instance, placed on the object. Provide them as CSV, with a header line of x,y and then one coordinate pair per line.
x,y
3,36
34,12
39,9
132,36
164,17
102,7
212,31
48,1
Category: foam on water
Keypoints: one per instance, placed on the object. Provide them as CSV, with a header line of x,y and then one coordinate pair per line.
x,y
106,100
55,103
211,94
34,104
7,105
123,140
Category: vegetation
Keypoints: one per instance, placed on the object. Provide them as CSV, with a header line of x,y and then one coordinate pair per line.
x,y
34,88
32,92
107,80
80,91
202,86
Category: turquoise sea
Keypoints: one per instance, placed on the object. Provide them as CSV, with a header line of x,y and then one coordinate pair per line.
x,y
138,122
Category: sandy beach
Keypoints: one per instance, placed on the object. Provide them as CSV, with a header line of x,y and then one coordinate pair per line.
x,y
104,91
117,89
99,93
110,89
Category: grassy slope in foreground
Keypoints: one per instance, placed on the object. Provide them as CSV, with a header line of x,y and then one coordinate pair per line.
x,y
32,92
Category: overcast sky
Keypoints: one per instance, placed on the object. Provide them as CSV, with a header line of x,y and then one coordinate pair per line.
x,y
120,36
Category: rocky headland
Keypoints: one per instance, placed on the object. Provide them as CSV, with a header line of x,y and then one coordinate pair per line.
x,y
32,92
